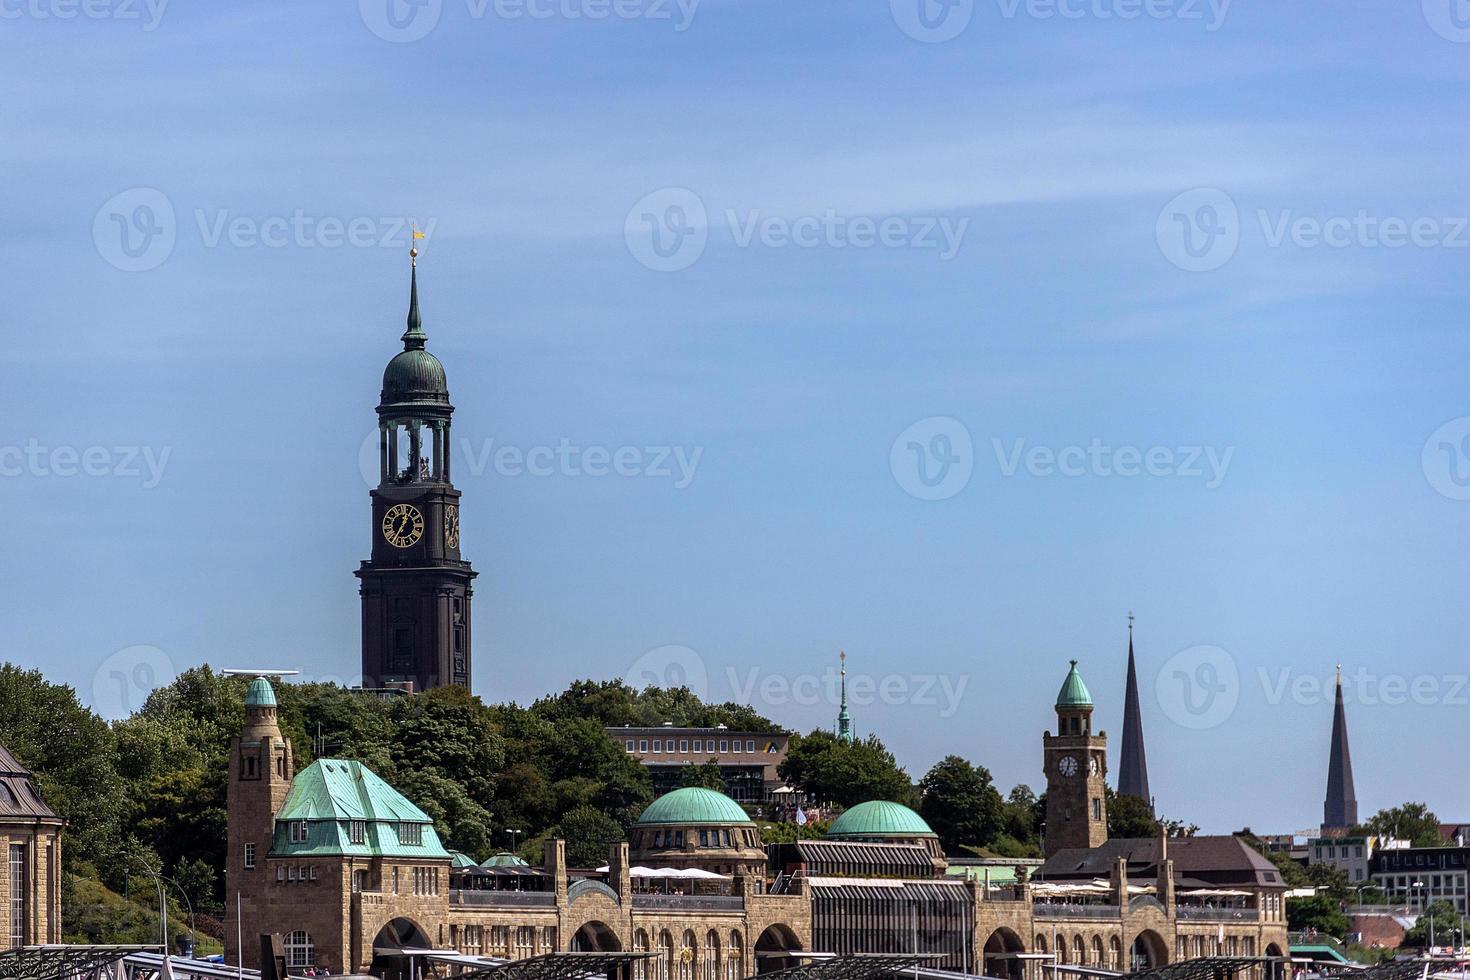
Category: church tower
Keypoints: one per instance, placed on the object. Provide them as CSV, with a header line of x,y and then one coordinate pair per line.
x,y
1340,810
1076,762
261,768
844,717
415,588
1132,760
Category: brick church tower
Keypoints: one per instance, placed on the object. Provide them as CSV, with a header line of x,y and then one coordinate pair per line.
x,y
416,588
1076,763
261,770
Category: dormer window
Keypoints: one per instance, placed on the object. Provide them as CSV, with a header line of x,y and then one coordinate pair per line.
x,y
411,834
299,831
357,831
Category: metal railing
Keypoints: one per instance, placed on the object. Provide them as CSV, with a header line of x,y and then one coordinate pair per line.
x,y
1201,913
470,898
1046,910
706,902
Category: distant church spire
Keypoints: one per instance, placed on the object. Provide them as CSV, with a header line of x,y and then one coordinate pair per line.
x,y
1340,811
844,719
414,337
1133,761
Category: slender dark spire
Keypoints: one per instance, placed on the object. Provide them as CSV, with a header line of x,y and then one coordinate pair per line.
x,y
414,337
1133,761
1340,811
844,719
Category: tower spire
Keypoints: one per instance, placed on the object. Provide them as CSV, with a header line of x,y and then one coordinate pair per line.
x,y
414,337
1133,760
1340,810
844,719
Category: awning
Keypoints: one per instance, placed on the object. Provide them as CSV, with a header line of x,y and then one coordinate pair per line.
x,y
555,966
854,966
53,962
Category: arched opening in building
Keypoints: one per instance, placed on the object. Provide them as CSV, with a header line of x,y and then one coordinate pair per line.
x,y
1001,955
399,934
772,947
1115,955
1148,952
596,937
1275,962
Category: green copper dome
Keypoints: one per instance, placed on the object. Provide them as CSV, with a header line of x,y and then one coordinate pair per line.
x,y
1074,693
693,805
414,375
879,818
505,860
260,695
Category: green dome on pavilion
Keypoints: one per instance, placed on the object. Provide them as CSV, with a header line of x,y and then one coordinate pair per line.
x,y
693,805
879,818
1074,693
261,694
505,860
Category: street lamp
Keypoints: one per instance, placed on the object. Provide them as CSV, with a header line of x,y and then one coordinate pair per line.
x,y
513,835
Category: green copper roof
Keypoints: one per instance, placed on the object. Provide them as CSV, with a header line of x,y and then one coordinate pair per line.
x,y
331,795
693,805
261,694
504,860
879,818
1074,693
459,859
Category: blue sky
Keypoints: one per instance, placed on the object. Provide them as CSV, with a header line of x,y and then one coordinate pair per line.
x,y
969,347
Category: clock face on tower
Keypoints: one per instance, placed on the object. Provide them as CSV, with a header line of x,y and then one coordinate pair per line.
x,y
403,525
1092,766
451,526
1068,766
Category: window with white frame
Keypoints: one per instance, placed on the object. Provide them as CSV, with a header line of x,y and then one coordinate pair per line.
x,y
300,951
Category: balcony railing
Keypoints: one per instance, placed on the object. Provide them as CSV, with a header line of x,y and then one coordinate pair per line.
x,y
702,902
1046,910
1199,913
470,898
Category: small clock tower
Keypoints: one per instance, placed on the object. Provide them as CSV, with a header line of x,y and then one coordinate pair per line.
x,y
416,587
1076,773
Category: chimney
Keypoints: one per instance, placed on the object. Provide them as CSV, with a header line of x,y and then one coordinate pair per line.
x,y
556,866
618,876
1166,873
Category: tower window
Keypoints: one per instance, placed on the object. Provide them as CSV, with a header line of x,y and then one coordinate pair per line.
x,y
249,856
1096,808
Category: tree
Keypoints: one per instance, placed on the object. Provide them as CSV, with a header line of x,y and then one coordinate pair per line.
x,y
1320,913
845,773
1128,816
590,836
960,803
788,833
1435,925
1412,822
706,775
73,755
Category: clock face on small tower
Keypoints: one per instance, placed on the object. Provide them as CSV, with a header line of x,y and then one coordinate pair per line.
x,y
451,526
403,525
1068,766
